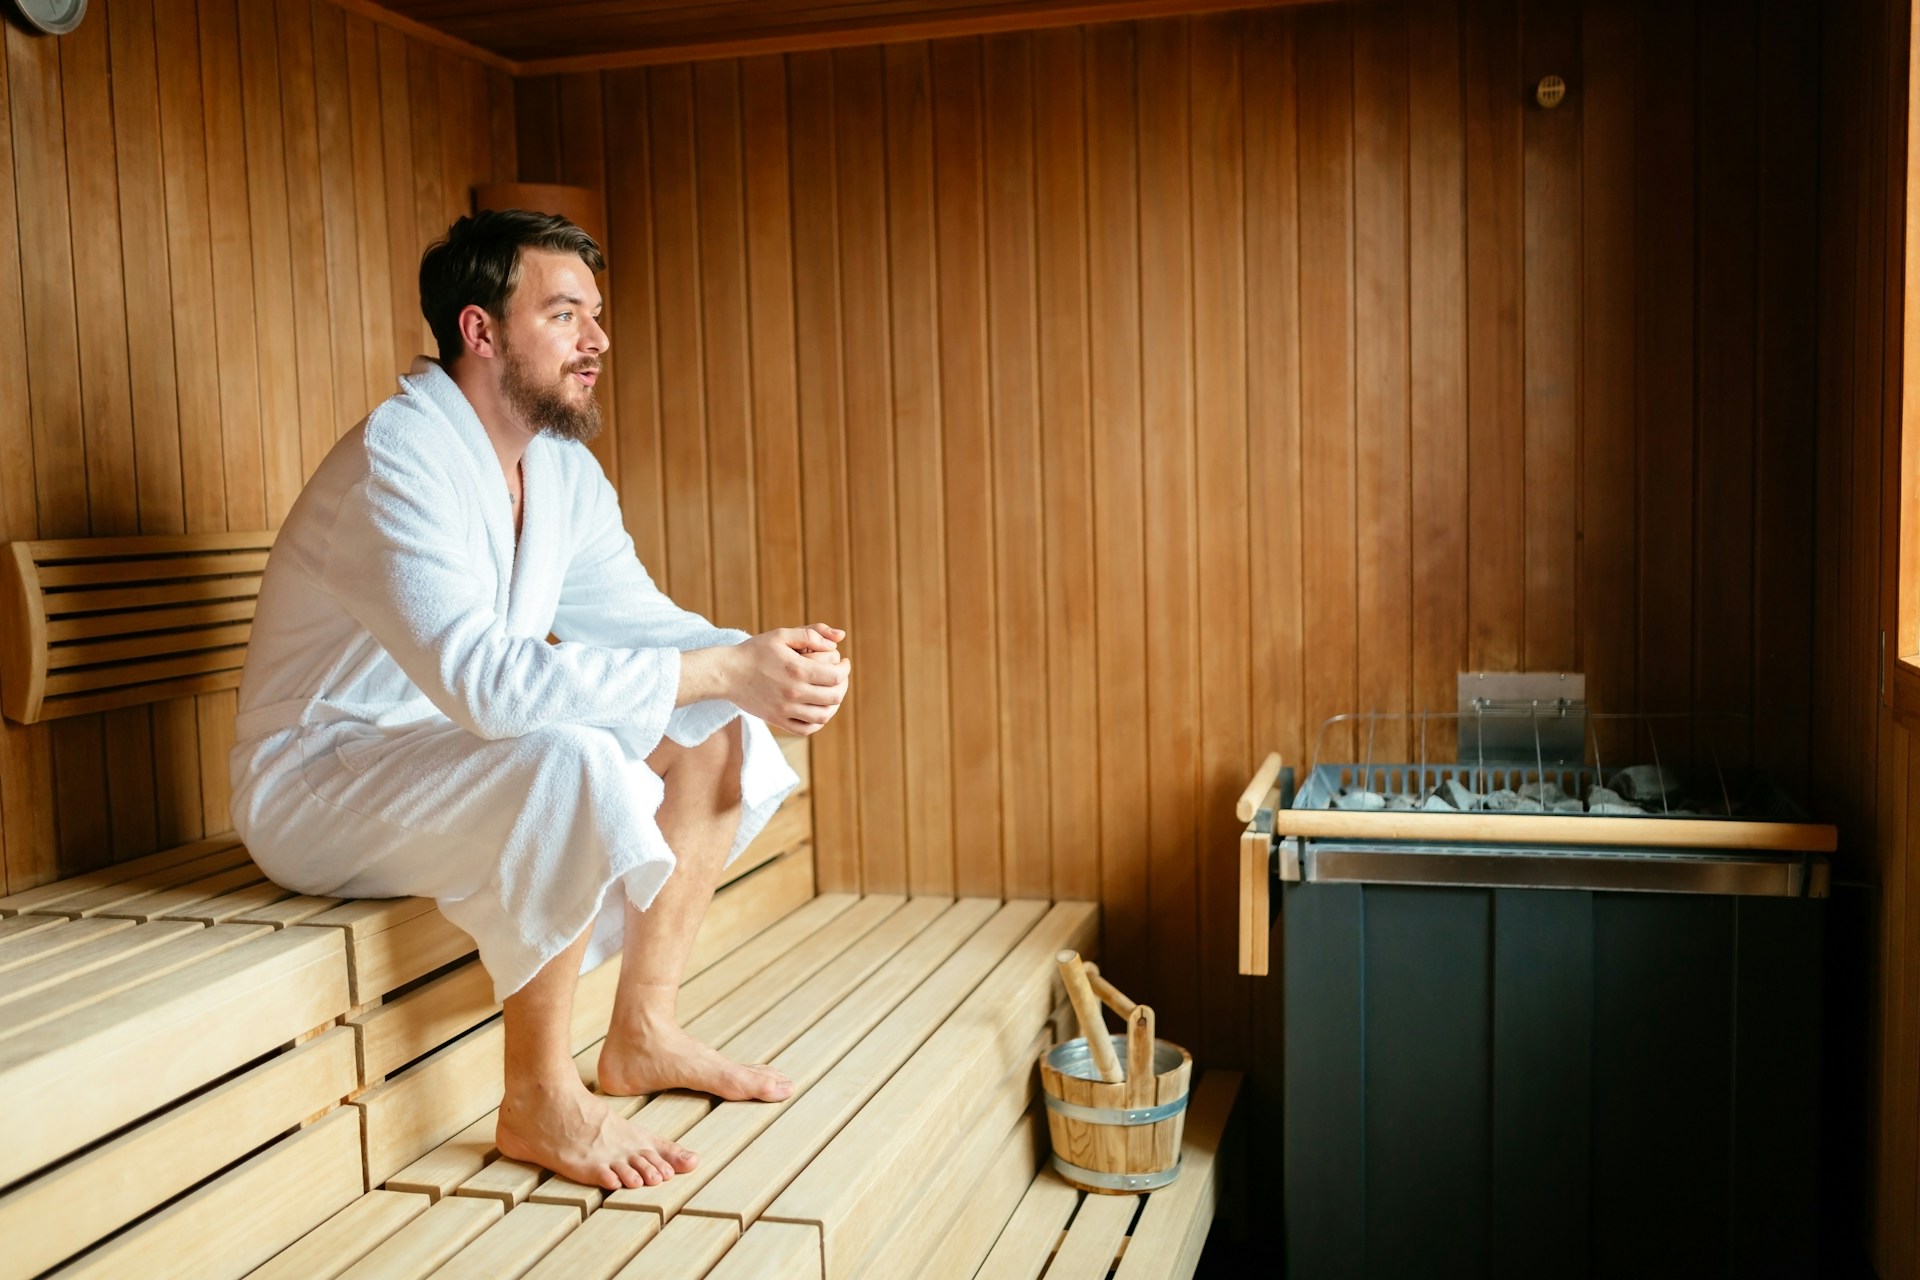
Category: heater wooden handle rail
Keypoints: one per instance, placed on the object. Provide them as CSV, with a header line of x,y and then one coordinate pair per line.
x,y
1258,806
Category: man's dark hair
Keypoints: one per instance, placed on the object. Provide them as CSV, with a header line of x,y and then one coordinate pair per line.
x,y
477,264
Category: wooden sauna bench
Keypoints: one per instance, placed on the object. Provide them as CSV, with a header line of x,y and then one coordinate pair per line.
x,y
205,1075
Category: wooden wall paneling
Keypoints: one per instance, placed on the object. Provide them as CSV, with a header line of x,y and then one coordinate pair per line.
x,y
966,464
274,300
191,265
57,415
1841,120
1664,289
457,143
1018,480
1787,370
337,195
46,283
536,110
1382,375
122,820
370,214
1496,403
308,237
1072,672
402,148
18,501
1437,409
859,86
1723,502
1324,105
1224,597
80,795
780,592
1170,634
132,820
927,644
628,293
144,279
99,294
1551,224
1607,582
1113,309
1274,441
1862,611
236,350
688,570
718,144
435,200
583,163
476,110
502,122
819,404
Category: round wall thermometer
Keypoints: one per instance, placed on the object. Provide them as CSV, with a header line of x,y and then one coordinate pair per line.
x,y
55,17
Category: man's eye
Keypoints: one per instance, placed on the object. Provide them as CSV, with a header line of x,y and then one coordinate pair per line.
x,y
564,315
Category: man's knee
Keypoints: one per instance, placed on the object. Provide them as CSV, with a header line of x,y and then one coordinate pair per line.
x,y
714,760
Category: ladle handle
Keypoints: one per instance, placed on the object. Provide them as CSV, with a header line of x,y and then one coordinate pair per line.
x,y
1114,998
1086,1007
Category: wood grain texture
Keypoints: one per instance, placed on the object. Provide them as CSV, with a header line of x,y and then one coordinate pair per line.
x,y
184,293
1055,420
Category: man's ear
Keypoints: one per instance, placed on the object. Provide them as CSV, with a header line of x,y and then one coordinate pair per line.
x,y
479,331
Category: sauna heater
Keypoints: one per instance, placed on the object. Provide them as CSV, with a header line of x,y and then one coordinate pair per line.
x,y
1552,993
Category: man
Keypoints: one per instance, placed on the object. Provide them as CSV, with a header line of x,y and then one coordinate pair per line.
x,y
406,727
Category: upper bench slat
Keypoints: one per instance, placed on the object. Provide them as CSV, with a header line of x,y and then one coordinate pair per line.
x,y
96,623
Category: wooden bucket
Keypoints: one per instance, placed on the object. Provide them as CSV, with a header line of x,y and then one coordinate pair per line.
x,y
1117,1139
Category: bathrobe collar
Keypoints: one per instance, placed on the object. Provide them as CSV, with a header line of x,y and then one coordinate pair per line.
x,y
518,599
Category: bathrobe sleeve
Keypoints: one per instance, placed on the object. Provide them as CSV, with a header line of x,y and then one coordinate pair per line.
x,y
398,564
609,599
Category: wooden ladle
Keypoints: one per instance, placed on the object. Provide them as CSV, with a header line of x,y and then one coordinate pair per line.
x,y
1086,1008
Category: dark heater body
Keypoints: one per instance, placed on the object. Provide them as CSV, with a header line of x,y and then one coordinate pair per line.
x,y
1547,1020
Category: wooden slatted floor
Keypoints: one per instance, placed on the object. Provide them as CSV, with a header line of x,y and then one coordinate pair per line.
x,y
204,1075
910,1028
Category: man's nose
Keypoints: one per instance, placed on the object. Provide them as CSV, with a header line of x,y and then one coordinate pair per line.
x,y
594,338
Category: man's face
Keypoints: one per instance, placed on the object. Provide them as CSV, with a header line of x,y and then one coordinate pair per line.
x,y
551,344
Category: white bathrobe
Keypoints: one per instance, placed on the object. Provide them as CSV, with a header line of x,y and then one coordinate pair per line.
x,y
405,726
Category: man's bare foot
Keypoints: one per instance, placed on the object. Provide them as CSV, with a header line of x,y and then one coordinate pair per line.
x,y
573,1133
665,1057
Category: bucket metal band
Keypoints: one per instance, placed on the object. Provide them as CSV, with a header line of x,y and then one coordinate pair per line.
x,y
1115,1115
1117,1181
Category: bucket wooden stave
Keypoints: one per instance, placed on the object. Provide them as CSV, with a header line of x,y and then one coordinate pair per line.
x,y
1105,1138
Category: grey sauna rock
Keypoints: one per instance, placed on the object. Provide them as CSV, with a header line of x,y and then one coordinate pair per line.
x,y
1604,795
1365,800
1434,804
1546,791
1402,804
1567,804
1617,809
1464,798
1642,783
1506,800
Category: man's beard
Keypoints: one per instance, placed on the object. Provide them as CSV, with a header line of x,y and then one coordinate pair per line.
x,y
549,409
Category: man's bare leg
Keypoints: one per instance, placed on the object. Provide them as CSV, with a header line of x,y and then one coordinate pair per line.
x,y
645,1049
547,1117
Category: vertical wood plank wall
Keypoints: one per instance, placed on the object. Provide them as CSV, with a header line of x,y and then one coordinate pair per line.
x,y
1865,768
211,213
1141,395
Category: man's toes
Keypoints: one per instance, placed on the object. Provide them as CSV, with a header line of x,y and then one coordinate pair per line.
x,y
680,1158
619,1174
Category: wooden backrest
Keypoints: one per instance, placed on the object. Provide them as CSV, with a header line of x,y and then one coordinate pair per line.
x,y
91,624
